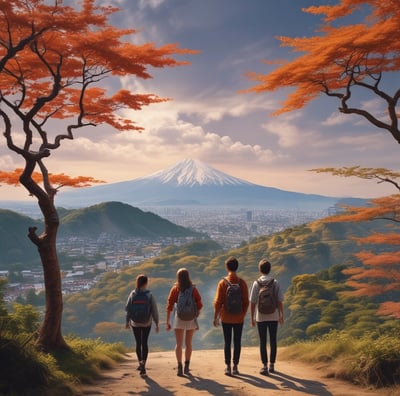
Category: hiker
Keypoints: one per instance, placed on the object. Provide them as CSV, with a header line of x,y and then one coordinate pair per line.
x,y
230,306
141,311
266,308
185,299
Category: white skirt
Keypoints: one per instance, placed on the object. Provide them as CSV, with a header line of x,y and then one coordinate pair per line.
x,y
185,324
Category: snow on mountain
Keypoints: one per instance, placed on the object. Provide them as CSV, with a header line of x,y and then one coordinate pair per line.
x,y
191,172
192,183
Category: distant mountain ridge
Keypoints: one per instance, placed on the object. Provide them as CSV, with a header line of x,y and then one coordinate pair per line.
x,y
192,182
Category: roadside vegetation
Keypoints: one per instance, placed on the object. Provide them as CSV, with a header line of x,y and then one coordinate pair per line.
x,y
370,360
25,370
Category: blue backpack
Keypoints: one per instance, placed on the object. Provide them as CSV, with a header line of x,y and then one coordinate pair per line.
x,y
140,306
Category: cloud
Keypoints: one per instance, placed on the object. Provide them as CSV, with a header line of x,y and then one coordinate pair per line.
x,y
335,119
288,132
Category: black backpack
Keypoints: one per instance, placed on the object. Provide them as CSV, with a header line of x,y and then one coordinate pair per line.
x,y
233,298
140,306
267,301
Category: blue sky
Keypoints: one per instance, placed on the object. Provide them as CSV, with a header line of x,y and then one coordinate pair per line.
x,y
210,121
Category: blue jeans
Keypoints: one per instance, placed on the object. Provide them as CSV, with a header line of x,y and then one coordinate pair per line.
x,y
236,328
272,327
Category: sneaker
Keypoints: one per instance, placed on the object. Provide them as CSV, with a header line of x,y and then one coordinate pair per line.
x,y
235,370
264,370
228,370
271,368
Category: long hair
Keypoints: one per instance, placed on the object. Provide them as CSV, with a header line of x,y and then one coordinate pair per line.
x,y
141,280
183,279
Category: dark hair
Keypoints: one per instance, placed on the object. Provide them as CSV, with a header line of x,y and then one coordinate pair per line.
x,y
141,280
183,279
232,264
264,266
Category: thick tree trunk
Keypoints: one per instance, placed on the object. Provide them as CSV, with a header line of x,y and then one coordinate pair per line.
x,y
50,335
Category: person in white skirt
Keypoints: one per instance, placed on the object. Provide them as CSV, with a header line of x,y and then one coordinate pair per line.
x,y
184,329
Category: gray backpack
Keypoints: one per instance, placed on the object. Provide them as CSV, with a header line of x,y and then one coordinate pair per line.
x,y
186,307
267,301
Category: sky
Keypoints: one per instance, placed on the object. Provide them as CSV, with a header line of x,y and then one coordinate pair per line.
x,y
209,120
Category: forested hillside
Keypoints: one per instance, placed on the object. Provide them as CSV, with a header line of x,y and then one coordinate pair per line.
x,y
117,218
306,259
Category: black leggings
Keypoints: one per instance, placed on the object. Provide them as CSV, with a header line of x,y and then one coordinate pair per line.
x,y
272,327
237,341
142,336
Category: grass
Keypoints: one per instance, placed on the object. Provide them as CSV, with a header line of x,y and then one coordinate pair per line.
x,y
25,370
370,360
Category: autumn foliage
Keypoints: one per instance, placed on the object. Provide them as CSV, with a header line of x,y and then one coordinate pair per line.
x,y
54,61
349,62
379,276
343,60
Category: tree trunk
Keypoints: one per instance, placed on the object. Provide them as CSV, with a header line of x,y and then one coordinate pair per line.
x,y
50,335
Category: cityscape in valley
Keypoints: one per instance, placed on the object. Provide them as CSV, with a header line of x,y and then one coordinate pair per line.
x,y
83,259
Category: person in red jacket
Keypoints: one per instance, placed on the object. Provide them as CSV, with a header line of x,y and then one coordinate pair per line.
x,y
184,329
232,319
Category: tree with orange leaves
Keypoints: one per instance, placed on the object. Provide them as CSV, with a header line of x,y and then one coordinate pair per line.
x,y
343,61
53,59
380,273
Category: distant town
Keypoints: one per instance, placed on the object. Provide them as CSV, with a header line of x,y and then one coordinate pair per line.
x,y
84,260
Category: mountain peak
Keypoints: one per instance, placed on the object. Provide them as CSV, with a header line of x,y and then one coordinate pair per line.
x,y
190,172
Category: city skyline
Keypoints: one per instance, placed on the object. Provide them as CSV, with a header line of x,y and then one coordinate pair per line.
x,y
209,120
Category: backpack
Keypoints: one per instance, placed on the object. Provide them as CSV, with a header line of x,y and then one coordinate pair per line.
x,y
267,301
233,298
140,306
186,307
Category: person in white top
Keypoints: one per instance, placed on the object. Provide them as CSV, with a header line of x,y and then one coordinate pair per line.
x,y
266,321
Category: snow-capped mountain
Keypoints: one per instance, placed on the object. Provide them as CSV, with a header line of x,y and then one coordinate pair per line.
x,y
191,172
192,182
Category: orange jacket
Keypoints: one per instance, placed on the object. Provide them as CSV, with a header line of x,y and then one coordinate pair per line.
x,y
219,309
173,298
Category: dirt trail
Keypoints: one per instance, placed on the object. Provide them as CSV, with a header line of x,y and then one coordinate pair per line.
x,y
207,378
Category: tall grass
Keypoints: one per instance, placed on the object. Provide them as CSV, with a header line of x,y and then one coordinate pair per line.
x,y
369,360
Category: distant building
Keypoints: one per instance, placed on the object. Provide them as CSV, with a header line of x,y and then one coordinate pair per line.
x,y
249,215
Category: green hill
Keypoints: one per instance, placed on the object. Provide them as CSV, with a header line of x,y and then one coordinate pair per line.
x,y
107,218
308,254
117,218
15,247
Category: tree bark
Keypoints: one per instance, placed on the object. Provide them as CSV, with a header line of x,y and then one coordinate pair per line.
x,y
50,334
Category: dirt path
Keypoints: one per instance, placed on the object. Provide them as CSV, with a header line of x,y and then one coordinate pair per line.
x,y
207,378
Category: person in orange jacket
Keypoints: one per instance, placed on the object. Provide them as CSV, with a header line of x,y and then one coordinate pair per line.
x,y
184,329
231,309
